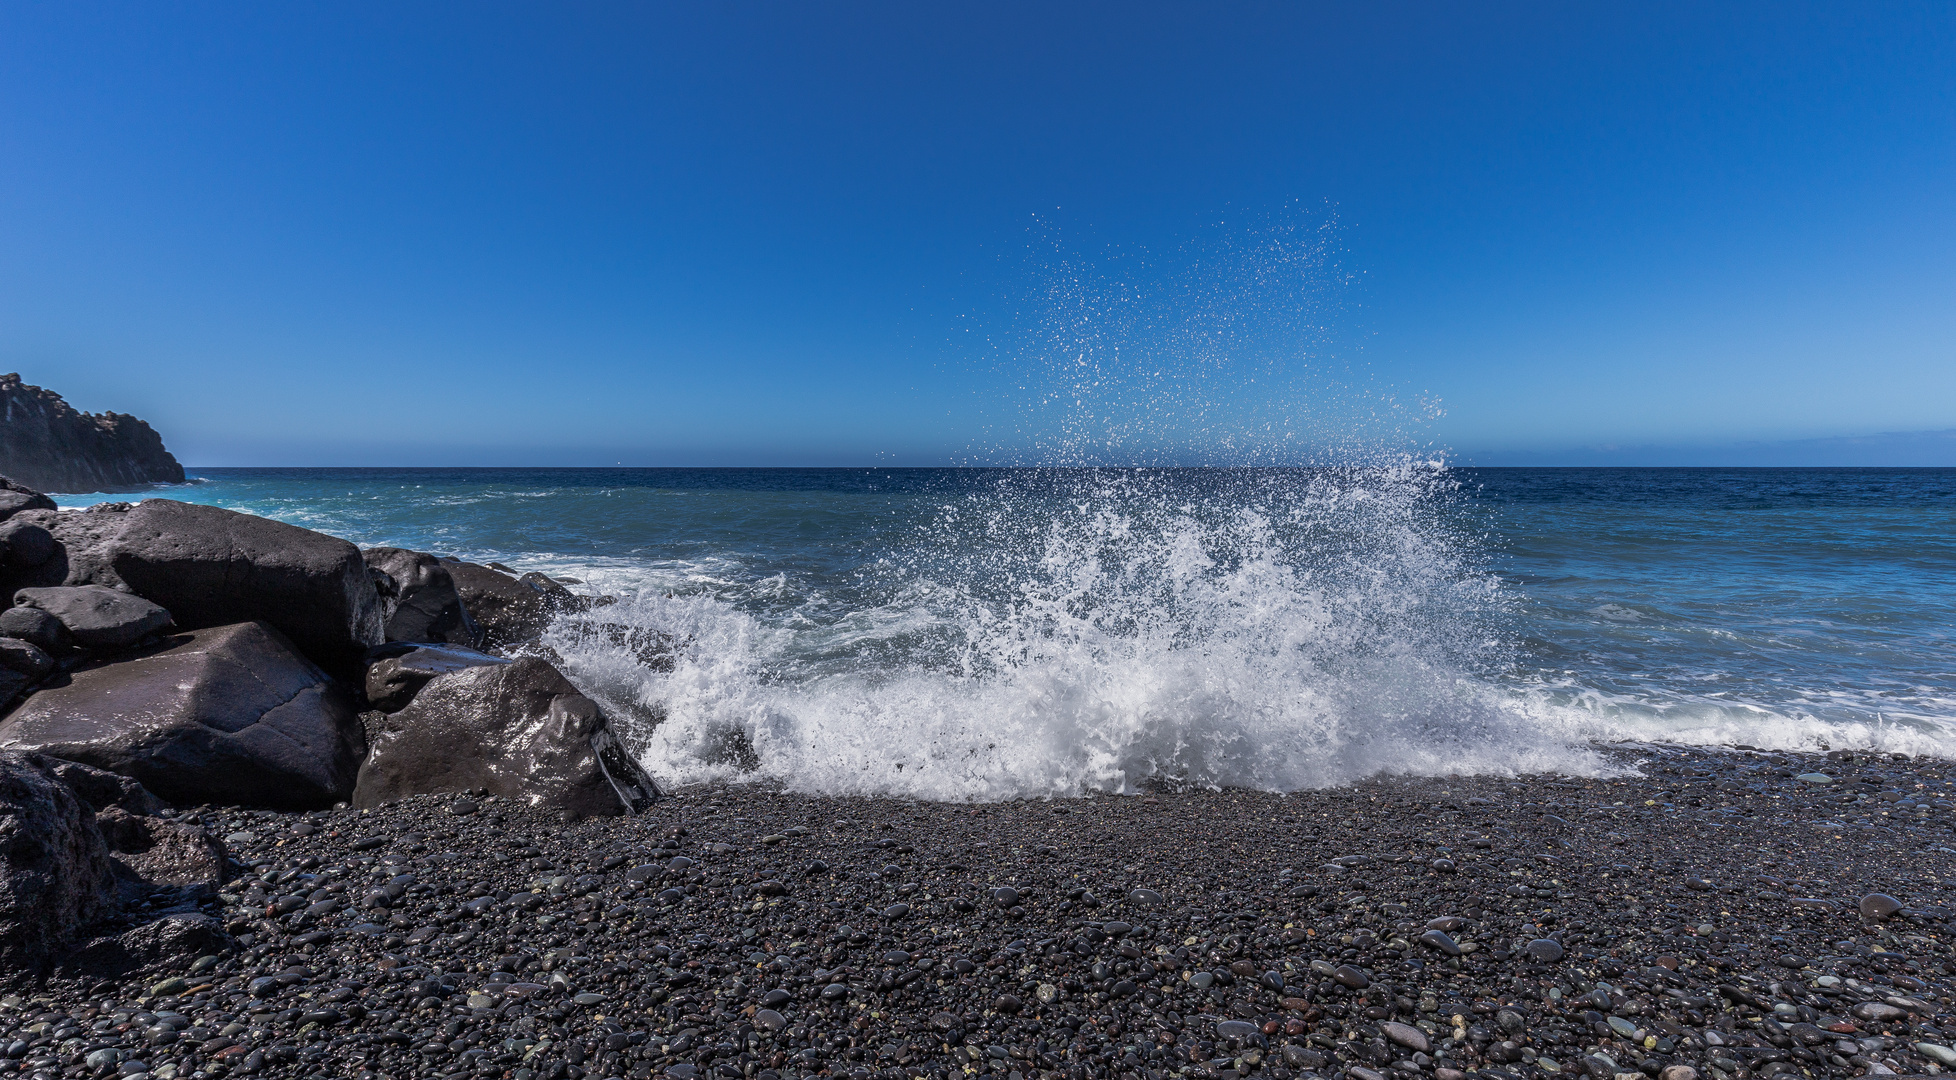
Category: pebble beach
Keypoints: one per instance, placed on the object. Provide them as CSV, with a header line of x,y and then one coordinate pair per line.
x,y
1721,914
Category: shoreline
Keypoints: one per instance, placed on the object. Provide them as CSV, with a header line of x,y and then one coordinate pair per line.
x,y
1718,916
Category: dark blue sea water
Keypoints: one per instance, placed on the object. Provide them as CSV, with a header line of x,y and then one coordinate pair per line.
x,y
989,633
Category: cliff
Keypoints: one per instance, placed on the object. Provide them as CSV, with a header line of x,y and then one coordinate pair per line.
x,y
46,444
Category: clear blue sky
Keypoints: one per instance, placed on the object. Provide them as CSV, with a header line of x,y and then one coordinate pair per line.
x,y
793,233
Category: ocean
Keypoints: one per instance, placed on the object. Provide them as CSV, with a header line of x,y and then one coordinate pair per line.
x,y
971,634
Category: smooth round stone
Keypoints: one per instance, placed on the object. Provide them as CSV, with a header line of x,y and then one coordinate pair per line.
x,y
1678,1072
1350,977
1116,929
588,998
1879,906
1202,980
1444,866
1236,1029
1544,950
1005,896
1144,898
1007,1003
463,807
896,911
1697,884
834,991
1407,1036
1448,924
1441,941
896,958
1273,981
679,862
776,998
1937,1052
1814,778
770,1020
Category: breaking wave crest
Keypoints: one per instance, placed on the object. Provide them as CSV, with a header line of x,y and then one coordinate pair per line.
x,y
1070,631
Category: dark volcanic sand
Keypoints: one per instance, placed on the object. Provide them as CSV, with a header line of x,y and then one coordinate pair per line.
x,y
864,937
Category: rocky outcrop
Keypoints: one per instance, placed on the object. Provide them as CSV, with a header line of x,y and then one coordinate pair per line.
x,y
399,673
419,599
215,567
230,714
55,875
518,730
46,444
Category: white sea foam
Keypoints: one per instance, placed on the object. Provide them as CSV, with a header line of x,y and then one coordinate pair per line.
x,y
1298,630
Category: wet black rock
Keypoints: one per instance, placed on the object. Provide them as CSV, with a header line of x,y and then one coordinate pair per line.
x,y
399,672
1879,906
231,714
419,598
1544,950
507,611
517,730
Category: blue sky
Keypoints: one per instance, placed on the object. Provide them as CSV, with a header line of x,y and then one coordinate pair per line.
x,y
822,234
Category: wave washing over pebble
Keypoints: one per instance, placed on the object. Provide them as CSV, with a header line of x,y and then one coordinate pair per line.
x,y
987,634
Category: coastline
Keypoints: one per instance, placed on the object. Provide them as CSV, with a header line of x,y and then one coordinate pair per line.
x,y
1709,925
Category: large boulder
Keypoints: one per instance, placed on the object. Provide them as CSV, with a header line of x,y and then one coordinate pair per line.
x,y
55,874
97,616
506,609
519,730
229,714
16,497
419,598
396,676
215,567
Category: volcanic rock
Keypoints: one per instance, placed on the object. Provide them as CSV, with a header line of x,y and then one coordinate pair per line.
x,y
161,851
506,609
419,598
395,677
15,497
46,443
231,714
96,616
55,875
518,730
215,567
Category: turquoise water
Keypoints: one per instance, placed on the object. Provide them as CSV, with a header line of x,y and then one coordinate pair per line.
x,y
991,633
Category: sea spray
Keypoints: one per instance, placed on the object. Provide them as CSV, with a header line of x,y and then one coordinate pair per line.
x,y
1072,631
